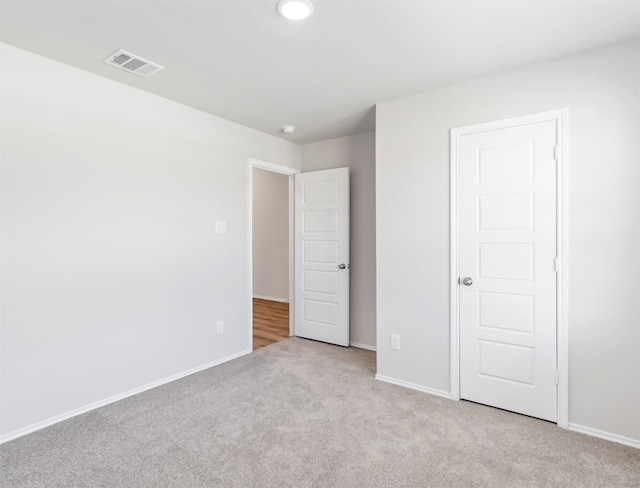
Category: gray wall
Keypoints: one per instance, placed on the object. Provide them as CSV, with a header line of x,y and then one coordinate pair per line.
x,y
113,277
601,90
270,235
358,154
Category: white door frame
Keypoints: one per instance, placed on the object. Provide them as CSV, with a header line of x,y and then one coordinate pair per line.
x,y
561,118
290,172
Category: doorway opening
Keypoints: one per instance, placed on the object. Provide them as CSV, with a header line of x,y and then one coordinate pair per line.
x,y
270,252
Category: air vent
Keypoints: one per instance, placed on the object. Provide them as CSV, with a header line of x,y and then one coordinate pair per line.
x,y
132,63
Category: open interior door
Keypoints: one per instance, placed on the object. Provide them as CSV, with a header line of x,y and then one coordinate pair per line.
x,y
322,256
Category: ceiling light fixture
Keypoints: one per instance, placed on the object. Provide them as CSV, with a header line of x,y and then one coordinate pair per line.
x,y
288,129
295,9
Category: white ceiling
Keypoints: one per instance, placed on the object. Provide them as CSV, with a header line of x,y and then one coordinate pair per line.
x,y
239,60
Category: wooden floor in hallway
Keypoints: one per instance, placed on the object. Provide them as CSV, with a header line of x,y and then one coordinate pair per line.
x,y
270,322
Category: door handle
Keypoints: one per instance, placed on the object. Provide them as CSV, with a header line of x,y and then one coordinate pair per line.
x,y
467,281
343,266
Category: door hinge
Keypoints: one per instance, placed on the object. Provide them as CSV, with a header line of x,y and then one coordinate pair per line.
x,y
556,264
557,377
555,152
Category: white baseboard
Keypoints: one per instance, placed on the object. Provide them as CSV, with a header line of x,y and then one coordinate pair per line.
x,y
608,436
413,386
362,346
627,441
273,299
121,396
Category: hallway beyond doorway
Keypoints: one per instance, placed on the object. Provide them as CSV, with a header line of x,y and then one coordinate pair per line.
x,y
270,322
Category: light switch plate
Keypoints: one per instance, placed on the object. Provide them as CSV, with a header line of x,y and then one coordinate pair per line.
x,y
221,226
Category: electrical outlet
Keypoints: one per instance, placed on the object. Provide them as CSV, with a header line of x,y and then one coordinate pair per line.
x,y
220,326
395,341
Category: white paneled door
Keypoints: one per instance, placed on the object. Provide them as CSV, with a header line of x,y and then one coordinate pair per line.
x,y
322,256
507,266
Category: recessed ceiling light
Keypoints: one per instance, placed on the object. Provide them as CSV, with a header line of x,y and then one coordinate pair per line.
x,y
295,9
288,129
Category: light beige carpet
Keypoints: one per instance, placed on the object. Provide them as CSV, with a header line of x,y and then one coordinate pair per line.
x,y
305,414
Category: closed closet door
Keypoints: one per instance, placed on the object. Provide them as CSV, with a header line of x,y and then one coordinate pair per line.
x,y
507,251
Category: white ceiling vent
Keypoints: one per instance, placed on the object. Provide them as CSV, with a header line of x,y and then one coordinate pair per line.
x,y
132,63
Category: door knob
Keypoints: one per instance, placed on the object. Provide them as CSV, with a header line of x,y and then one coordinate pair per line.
x,y
467,281
342,266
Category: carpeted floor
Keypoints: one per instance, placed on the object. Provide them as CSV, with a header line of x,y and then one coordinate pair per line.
x,y
304,414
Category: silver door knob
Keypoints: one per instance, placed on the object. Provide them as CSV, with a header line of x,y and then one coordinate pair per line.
x,y
342,266
467,281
